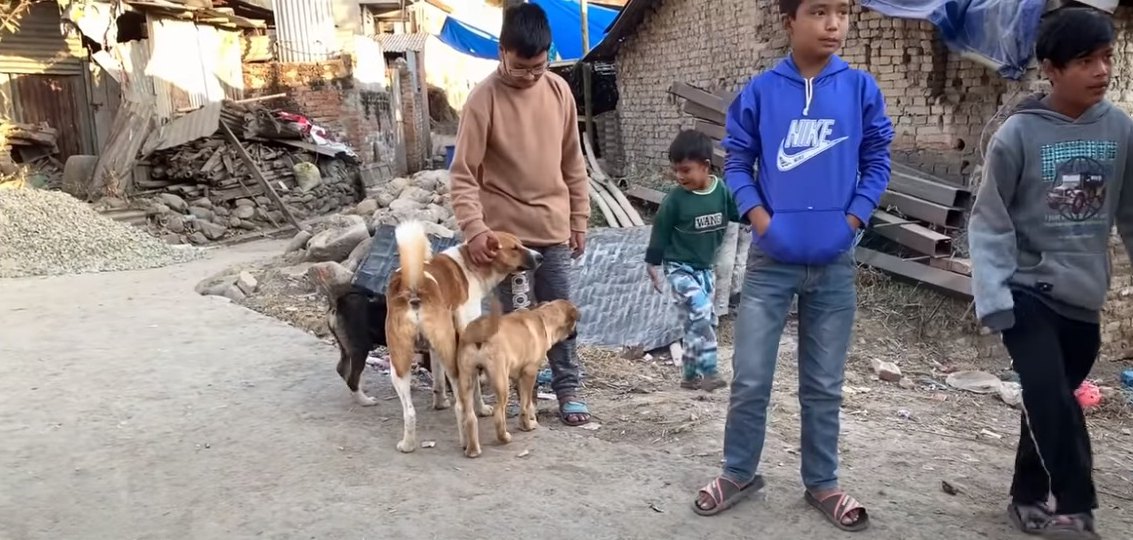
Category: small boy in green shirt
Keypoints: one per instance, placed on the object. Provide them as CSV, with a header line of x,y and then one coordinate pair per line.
x,y
687,233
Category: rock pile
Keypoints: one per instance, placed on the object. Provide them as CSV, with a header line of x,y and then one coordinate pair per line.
x,y
52,233
330,252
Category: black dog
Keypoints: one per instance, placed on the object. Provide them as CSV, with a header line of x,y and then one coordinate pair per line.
x,y
357,320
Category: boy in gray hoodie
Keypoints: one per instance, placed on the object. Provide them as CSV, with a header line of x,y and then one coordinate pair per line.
x,y
1056,180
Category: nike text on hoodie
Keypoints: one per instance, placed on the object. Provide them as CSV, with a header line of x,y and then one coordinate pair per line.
x,y
1052,189
829,136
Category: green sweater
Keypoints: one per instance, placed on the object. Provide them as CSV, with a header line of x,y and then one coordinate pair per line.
x,y
690,226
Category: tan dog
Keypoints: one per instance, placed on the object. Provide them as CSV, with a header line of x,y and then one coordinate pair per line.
x,y
509,347
432,299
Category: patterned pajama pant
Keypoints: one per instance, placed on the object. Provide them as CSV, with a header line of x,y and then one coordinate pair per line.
x,y
695,289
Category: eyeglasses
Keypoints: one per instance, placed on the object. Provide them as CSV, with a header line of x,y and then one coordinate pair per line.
x,y
522,72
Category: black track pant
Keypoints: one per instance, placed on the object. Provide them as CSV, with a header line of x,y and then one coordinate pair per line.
x,y
1052,355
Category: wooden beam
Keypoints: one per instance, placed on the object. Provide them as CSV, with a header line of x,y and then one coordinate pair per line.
x,y
698,110
698,96
715,131
934,213
258,175
916,237
643,193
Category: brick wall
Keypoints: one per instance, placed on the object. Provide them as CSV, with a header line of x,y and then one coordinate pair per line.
x,y
939,102
325,93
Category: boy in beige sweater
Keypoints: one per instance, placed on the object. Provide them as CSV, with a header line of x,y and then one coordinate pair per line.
x,y
519,169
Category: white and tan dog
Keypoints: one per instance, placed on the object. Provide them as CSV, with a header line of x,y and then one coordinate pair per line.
x,y
509,347
432,298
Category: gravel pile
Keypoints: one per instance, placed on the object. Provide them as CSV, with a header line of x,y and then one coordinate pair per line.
x,y
52,233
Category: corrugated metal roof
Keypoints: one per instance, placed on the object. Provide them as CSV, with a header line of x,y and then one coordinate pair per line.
x,y
627,22
399,43
39,45
200,123
304,30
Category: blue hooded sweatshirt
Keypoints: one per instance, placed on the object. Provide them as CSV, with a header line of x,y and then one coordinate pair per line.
x,y
822,146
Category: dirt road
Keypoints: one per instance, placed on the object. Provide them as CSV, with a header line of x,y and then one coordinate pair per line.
x,y
130,407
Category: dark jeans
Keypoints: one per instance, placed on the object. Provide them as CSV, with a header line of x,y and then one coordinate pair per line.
x,y
551,281
1052,355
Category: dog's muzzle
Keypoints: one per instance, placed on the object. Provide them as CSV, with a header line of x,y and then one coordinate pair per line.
x,y
533,260
573,336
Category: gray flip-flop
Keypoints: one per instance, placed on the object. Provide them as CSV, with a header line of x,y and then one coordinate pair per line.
x,y
1029,519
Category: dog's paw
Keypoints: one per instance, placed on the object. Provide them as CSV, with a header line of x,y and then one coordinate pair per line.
x,y
472,452
483,410
363,400
528,426
441,403
406,446
504,438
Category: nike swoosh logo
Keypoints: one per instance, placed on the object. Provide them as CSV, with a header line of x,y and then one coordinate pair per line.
x,y
787,162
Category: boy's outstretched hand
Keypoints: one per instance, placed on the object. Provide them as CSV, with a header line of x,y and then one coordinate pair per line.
x,y
484,247
654,277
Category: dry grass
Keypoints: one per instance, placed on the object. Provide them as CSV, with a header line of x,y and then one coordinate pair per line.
x,y
913,311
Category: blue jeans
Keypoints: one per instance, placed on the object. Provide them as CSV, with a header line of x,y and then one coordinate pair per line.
x,y
827,300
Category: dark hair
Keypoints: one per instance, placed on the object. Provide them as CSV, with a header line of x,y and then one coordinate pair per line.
x,y
526,31
790,8
690,145
1071,33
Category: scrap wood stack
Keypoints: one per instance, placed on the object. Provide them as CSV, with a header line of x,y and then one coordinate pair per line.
x,y
232,182
32,150
919,213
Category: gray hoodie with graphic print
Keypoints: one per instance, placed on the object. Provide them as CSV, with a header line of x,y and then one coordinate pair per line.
x,y
1052,189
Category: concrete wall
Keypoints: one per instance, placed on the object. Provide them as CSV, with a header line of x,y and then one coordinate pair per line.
x,y
939,102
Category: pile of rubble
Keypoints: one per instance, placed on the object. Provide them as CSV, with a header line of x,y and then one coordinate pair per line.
x,y
210,188
326,256
31,150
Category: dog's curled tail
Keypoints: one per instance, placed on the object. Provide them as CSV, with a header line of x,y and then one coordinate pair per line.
x,y
479,331
414,250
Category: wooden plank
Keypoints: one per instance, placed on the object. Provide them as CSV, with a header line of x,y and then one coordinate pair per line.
x,y
705,113
643,193
718,156
715,131
916,237
243,192
619,213
695,95
959,266
259,176
937,214
929,190
935,278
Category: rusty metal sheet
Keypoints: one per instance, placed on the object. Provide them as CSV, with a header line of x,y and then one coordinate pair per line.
x,y
198,124
935,278
59,101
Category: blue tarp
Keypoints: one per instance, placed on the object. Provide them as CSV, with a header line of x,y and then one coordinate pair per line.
x,y
1003,32
566,31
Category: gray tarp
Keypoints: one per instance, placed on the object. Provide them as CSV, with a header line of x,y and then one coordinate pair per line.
x,y
619,306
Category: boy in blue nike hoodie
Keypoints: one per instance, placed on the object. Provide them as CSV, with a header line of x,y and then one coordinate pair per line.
x,y
818,132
